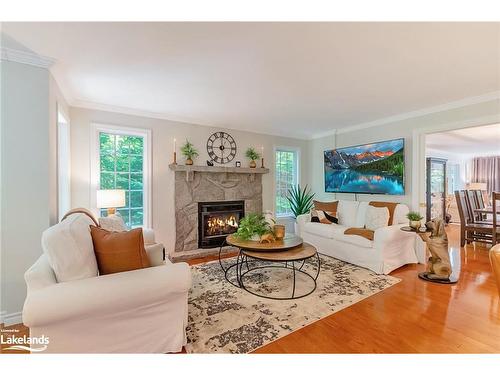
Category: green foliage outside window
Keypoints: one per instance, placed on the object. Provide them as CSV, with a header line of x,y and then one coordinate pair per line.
x,y
121,167
286,178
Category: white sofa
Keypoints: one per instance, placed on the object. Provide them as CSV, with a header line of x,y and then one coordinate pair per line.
x,y
140,311
391,248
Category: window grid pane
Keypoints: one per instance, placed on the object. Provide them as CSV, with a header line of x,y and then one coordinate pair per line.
x,y
286,177
121,165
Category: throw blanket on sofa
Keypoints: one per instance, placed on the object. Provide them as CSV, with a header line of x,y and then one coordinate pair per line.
x,y
366,233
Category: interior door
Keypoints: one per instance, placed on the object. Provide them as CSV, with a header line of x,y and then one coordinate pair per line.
x,y
436,188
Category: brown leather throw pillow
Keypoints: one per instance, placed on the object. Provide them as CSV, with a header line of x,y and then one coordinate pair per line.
x,y
326,206
119,251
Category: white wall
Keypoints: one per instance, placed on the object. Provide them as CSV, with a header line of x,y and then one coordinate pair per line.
x,y
25,176
163,132
317,176
398,129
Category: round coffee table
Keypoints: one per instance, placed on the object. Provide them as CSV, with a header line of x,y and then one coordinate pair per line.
x,y
276,255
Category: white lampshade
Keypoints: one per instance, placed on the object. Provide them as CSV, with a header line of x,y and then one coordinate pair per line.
x,y
110,198
476,186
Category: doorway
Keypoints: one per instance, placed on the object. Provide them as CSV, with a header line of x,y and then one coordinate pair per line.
x,y
451,164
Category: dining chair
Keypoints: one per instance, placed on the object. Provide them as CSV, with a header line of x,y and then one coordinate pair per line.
x,y
480,204
473,204
470,230
480,198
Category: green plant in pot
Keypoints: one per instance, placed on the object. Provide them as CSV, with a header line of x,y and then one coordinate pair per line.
x,y
189,152
252,155
251,227
300,200
415,219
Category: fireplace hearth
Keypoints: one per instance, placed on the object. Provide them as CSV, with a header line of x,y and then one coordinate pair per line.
x,y
216,220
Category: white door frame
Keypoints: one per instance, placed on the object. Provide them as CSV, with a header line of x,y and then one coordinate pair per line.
x,y
418,201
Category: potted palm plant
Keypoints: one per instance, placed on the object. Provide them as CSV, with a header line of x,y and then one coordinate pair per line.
x,y
189,152
252,155
300,201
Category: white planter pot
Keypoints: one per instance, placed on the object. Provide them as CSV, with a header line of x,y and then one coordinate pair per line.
x,y
415,224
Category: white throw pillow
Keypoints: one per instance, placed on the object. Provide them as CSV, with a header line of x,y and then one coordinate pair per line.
x,y
113,223
361,215
400,213
346,213
69,249
376,217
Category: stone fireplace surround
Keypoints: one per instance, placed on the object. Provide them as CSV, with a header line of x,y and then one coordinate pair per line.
x,y
194,184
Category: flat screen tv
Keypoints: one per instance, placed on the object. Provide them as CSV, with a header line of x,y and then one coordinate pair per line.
x,y
374,168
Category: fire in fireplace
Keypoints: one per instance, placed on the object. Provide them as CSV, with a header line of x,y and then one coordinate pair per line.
x,y
218,225
216,220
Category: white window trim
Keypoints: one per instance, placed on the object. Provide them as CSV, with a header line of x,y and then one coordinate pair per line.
x,y
62,121
96,128
297,167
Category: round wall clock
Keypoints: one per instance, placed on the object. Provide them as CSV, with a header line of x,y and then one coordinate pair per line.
x,y
221,147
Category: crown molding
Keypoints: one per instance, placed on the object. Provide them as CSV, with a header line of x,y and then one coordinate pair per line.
x,y
25,57
78,103
387,120
495,95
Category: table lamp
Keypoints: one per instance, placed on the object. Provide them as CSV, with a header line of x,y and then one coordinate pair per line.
x,y
110,199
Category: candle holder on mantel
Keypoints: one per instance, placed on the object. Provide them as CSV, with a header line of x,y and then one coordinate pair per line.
x,y
262,163
175,158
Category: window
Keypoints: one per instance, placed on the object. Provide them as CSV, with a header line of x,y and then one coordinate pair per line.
x,y
453,177
122,162
63,166
286,175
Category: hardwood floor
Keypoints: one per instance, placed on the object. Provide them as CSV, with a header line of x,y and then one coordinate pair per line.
x,y
413,316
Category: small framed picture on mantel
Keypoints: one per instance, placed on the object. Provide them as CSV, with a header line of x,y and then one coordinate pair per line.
x,y
238,164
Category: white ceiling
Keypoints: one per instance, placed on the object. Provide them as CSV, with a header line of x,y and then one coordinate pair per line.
x,y
478,141
294,79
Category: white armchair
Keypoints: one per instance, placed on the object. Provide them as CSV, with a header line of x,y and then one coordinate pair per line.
x,y
140,311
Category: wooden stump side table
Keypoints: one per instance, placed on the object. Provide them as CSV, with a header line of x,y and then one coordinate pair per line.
x,y
429,275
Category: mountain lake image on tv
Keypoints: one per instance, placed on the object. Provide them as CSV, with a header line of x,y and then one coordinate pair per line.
x,y
375,168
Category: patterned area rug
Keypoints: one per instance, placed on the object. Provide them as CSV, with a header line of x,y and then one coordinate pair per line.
x,y
226,319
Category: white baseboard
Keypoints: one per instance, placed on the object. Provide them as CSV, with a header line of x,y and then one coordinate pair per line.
x,y
11,319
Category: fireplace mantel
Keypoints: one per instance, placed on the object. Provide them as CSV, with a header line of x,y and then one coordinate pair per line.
x,y
191,169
